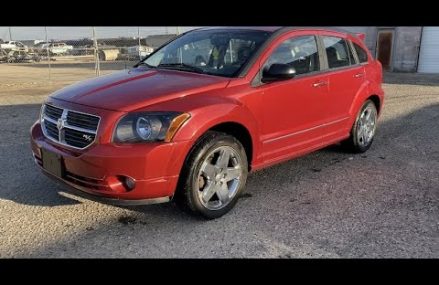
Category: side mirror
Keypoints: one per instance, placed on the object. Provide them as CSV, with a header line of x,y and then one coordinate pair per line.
x,y
277,72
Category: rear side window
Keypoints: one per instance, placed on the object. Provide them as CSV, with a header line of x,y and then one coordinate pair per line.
x,y
298,52
362,54
337,52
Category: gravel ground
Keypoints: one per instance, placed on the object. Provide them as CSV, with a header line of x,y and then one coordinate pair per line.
x,y
383,203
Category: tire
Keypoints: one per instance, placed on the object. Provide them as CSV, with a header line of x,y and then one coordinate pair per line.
x,y
361,138
205,173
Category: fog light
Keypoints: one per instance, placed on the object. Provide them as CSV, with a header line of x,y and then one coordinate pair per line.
x,y
130,183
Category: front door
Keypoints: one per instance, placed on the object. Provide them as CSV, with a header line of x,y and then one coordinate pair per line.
x,y
292,109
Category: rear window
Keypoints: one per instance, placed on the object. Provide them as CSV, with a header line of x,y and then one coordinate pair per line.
x,y
337,52
362,54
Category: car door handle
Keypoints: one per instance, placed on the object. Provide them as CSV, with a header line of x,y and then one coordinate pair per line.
x,y
358,75
319,84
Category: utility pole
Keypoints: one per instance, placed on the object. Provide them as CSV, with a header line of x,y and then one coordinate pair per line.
x,y
138,36
96,53
10,34
48,54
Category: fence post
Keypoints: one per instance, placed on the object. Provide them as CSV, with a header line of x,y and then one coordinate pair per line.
x,y
96,54
48,53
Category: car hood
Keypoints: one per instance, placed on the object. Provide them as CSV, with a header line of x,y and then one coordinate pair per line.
x,y
132,89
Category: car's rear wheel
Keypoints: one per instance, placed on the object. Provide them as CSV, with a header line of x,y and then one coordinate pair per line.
x,y
363,130
213,176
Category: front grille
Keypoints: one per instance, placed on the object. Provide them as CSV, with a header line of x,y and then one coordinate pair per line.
x,y
68,127
78,139
53,112
51,130
82,120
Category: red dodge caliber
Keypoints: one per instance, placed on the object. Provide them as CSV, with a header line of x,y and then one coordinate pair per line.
x,y
191,120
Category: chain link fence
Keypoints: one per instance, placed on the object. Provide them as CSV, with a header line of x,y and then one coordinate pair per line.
x,y
57,53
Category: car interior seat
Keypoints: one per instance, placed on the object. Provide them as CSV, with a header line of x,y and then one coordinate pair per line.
x,y
334,59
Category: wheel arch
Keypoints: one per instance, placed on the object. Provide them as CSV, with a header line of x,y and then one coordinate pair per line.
x,y
233,119
241,133
376,100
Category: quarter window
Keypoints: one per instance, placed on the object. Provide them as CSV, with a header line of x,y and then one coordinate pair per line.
x,y
337,52
299,52
362,54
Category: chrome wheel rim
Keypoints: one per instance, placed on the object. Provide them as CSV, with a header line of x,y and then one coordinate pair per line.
x,y
219,178
366,126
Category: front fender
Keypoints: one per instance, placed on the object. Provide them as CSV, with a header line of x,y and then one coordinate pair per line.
x,y
208,111
215,111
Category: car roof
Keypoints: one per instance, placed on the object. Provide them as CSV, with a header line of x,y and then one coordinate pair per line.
x,y
278,28
250,28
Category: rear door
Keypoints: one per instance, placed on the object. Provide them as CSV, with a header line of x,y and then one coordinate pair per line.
x,y
345,78
293,110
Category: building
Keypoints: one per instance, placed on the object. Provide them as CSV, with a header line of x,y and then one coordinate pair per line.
x,y
156,41
403,49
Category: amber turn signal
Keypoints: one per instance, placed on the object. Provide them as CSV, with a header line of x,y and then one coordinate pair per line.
x,y
176,123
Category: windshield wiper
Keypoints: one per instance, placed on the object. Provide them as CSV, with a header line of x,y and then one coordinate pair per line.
x,y
181,66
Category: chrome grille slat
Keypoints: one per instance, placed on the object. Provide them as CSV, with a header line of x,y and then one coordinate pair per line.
x,y
53,112
51,129
82,121
67,127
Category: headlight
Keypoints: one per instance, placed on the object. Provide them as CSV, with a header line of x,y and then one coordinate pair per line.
x,y
149,127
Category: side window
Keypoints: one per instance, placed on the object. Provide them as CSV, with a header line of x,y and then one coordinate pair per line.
x,y
362,54
337,51
299,52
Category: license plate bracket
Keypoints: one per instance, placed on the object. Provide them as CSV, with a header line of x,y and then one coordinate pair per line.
x,y
53,163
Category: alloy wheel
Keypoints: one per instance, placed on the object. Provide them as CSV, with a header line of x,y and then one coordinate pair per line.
x,y
219,177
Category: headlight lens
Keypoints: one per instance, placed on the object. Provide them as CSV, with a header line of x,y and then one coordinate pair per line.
x,y
149,127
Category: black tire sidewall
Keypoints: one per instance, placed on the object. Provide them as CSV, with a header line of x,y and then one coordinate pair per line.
x,y
357,145
198,155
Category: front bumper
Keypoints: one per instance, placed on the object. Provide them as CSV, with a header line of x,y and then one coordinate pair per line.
x,y
100,169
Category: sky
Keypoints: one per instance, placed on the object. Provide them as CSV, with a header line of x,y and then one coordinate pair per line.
x,y
72,33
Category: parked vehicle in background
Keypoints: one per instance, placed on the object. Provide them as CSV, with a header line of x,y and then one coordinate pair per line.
x,y
15,56
14,45
57,48
142,51
192,119
3,56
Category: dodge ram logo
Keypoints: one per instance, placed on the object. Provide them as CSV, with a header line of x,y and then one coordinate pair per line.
x,y
60,124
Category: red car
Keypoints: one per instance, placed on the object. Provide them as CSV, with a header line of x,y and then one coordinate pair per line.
x,y
189,122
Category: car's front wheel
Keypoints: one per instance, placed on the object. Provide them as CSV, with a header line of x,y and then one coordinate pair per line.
x,y
213,176
364,128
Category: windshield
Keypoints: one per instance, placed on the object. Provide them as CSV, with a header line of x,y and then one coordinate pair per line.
x,y
216,52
